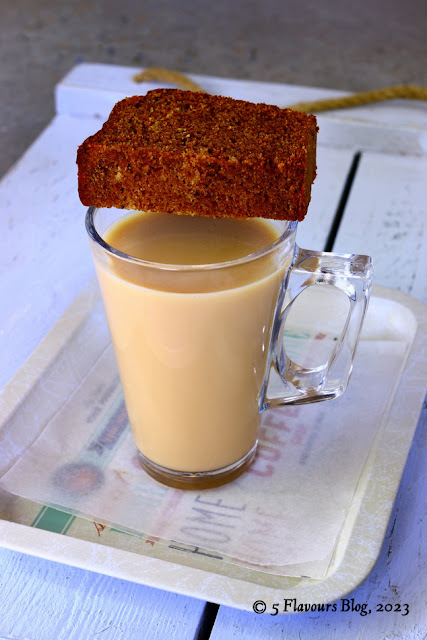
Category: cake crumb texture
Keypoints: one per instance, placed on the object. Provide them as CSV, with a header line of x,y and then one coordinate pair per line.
x,y
193,153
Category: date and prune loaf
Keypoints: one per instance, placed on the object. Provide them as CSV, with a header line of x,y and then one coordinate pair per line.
x,y
193,153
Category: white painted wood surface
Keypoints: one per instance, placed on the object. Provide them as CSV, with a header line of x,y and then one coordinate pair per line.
x,y
386,217
42,600
41,233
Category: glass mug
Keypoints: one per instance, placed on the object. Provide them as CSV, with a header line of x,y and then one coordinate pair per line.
x,y
195,345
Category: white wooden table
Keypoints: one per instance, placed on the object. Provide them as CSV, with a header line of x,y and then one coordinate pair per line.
x,y
372,180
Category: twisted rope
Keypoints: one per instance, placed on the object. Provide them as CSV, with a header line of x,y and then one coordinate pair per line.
x,y
165,75
407,92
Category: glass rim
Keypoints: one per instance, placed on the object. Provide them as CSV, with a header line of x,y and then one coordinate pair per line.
x,y
165,266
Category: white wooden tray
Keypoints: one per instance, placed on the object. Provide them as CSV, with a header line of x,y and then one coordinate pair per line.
x,y
52,534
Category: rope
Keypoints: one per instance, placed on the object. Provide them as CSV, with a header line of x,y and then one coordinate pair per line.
x,y
165,75
407,92
364,97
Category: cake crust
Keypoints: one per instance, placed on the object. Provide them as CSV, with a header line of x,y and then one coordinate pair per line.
x,y
193,153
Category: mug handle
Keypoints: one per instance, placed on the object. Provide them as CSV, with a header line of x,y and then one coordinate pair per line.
x,y
352,274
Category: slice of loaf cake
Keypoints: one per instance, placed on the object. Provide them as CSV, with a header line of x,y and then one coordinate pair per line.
x,y
193,153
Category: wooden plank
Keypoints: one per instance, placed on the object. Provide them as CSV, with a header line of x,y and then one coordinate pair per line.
x,y
90,89
45,257
360,133
386,217
45,600
333,166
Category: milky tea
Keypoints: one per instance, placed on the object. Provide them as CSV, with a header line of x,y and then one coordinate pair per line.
x,y
191,303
